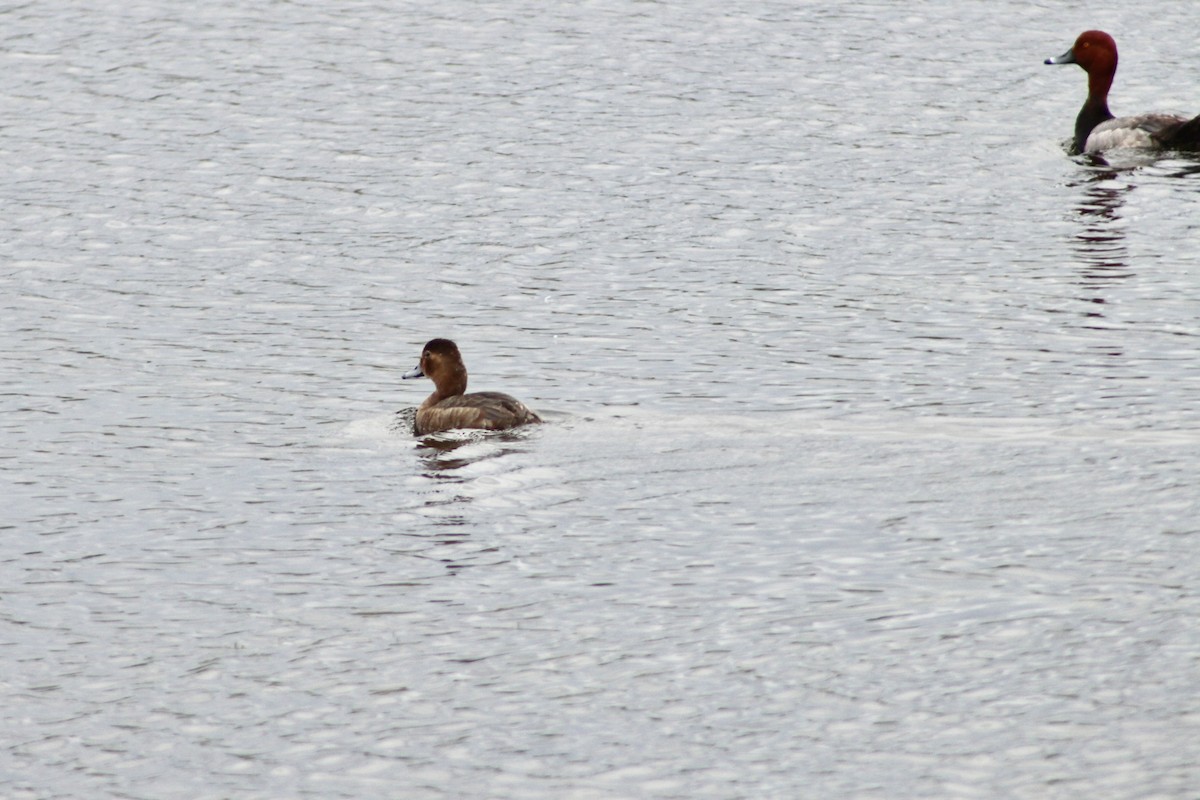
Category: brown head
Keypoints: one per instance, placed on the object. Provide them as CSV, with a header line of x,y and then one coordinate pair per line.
x,y
441,363
1096,52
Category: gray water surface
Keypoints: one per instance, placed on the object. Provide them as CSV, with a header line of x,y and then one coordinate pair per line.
x,y
873,419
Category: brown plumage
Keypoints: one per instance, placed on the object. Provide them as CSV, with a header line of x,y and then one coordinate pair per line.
x,y
450,406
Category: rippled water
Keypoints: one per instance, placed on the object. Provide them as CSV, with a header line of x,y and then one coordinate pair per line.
x,y
874,418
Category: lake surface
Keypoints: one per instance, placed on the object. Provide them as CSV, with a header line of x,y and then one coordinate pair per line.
x,y
873,435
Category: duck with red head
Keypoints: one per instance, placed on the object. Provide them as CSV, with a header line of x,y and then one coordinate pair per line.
x,y
449,406
1096,129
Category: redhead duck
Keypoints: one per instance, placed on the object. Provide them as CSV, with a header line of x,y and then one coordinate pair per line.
x,y
1096,129
449,407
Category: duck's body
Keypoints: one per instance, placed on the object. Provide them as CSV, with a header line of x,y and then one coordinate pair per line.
x,y
450,407
1145,130
1096,129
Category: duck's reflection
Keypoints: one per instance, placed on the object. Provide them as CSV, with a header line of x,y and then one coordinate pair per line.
x,y
441,454
447,534
447,451
1100,242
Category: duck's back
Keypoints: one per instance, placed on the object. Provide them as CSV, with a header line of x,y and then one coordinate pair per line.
x,y
491,411
1143,130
